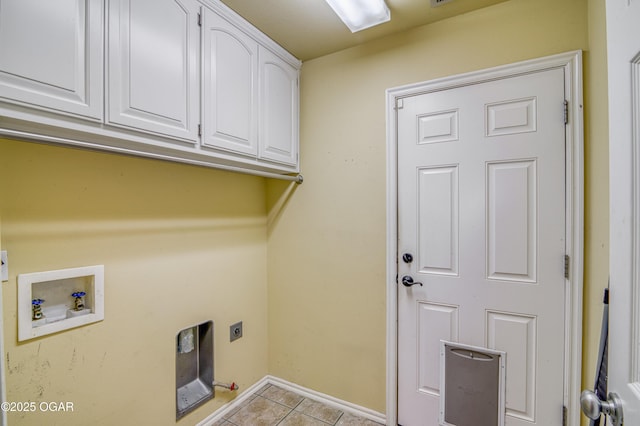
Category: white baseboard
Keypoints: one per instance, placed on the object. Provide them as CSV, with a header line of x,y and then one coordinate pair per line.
x,y
307,393
331,401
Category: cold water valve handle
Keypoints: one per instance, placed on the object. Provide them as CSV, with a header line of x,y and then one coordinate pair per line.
x,y
231,386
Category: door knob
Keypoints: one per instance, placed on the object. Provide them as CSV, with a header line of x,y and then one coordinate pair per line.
x,y
407,281
592,407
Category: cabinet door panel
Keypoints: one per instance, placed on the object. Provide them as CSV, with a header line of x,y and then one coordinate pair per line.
x,y
278,109
51,55
230,106
153,72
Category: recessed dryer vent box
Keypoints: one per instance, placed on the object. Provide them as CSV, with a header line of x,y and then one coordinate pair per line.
x,y
194,368
51,294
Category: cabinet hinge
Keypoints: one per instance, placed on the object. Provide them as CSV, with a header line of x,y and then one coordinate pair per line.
x,y
567,265
566,112
199,19
564,415
199,129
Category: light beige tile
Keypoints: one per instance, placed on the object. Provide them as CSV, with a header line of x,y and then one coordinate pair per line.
x,y
222,423
298,419
319,411
262,389
240,406
282,396
272,405
260,412
351,420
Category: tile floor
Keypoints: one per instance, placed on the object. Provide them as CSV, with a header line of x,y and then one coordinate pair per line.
x,y
272,405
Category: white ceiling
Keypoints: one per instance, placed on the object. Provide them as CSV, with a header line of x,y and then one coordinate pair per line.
x,y
309,28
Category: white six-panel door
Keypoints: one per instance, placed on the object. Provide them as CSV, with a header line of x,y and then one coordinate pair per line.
x,y
481,209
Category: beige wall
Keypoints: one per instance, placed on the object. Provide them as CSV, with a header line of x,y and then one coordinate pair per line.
x,y
327,250
180,244
306,275
596,268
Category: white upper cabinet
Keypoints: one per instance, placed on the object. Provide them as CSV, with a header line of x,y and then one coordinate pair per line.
x,y
51,55
230,87
153,66
278,109
183,80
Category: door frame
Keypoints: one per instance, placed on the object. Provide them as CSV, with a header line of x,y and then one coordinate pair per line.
x,y
574,208
3,373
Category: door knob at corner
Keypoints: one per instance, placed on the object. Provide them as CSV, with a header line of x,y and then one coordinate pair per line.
x,y
593,407
407,281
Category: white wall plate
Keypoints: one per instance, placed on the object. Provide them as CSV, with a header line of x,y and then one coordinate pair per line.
x,y
55,288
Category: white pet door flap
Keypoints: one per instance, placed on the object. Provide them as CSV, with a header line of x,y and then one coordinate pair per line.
x,y
472,391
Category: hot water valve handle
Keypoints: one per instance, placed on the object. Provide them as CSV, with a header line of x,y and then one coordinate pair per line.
x,y
233,386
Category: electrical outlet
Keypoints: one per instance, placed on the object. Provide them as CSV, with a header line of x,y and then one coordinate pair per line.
x,y
4,268
235,331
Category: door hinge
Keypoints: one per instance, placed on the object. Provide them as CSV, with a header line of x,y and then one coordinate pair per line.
x,y
567,265
566,112
199,19
199,129
399,104
564,415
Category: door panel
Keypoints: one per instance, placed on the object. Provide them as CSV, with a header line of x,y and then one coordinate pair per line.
x,y
438,220
516,335
230,87
278,109
511,224
435,322
54,61
511,117
153,66
481,201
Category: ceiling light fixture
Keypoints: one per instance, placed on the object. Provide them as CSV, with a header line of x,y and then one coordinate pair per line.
x,y
361,14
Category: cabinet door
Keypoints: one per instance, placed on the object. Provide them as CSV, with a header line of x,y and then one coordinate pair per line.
x,y
51,55
278,109
153,66
230,87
